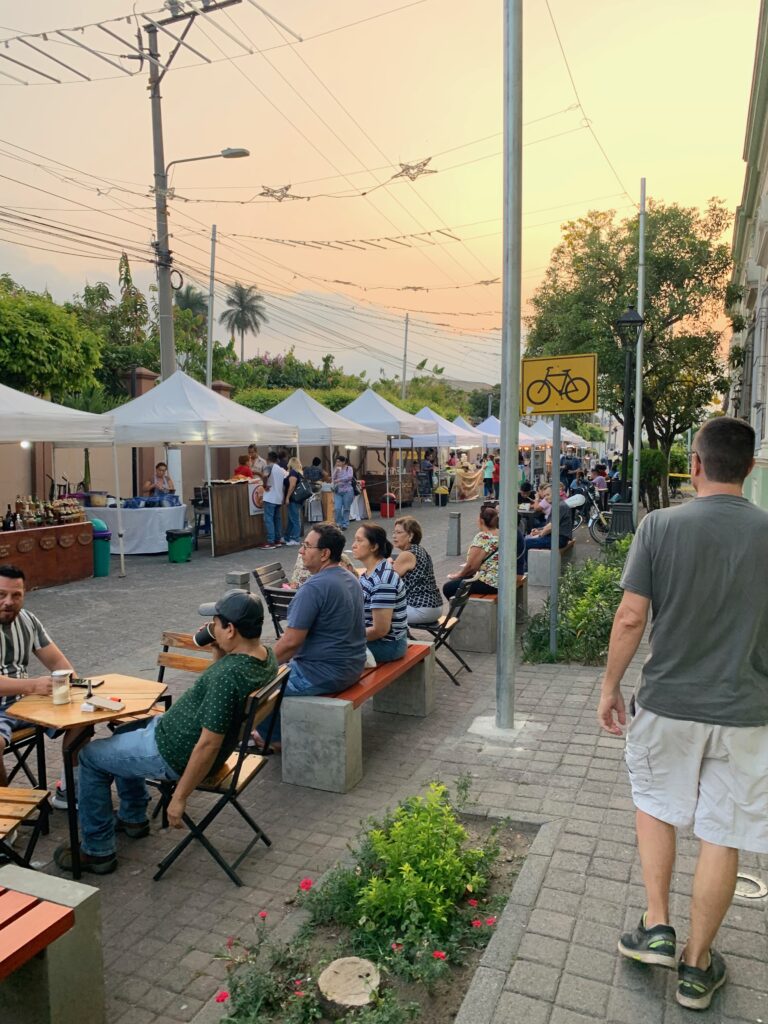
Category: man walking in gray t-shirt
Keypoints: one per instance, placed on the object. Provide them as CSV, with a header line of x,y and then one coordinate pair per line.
x,y
697,745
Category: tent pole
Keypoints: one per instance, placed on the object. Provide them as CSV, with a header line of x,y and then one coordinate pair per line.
x,y
387,451
120,540
210,492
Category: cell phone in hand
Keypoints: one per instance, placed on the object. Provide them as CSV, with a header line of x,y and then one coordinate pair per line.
x,y
85,683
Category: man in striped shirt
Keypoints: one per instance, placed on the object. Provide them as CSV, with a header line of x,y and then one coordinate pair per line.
x,y
21,635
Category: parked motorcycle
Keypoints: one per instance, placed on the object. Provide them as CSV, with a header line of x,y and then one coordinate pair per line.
x,y
598,522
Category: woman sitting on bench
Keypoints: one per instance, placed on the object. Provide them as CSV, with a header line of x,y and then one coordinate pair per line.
x,y
415,568
384,600
482,558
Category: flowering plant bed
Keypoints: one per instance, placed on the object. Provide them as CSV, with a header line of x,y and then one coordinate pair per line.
x,y
419,901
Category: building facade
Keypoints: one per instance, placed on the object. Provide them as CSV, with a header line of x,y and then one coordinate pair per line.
x,y
749,347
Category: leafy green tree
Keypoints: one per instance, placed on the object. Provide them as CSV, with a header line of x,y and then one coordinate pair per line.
x,y
245,313
592,278
192,299
44,350
477,403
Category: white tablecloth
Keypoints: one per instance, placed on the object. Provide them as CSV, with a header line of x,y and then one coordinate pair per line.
x,y
144,528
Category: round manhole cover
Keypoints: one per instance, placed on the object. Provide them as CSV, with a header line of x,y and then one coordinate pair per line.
x,y
749,887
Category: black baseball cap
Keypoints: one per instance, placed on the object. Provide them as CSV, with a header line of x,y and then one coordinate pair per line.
x,y
238,607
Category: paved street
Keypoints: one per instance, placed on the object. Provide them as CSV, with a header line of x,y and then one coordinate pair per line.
x,y
558,962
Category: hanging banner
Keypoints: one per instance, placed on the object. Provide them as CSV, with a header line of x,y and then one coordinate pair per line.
x,y
256,499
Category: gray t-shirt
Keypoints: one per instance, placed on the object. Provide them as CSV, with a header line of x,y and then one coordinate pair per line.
x,y
330,606
704,566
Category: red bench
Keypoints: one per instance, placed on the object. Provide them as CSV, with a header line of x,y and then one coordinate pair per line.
x,y
322,745
27,926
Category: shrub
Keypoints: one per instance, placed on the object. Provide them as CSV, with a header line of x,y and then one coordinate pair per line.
x,y
588,597
404,896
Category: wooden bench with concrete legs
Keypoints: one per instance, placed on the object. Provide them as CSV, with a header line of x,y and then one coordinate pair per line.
x,y
322,739
50,950
538,563
477,630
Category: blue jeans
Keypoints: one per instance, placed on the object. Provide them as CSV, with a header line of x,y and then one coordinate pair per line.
x,y
388,650
294,521
129,758
487,487
341,506
297,686
273,522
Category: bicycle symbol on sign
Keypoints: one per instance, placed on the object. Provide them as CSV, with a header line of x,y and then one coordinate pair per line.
x,y
572,389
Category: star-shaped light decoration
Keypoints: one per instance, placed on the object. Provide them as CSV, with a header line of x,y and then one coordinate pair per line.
x,y
414,171
278,194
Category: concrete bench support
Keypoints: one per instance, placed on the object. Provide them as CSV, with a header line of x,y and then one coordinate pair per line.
x,y
477,629
63,985
538,564
412,694
322,736
322,743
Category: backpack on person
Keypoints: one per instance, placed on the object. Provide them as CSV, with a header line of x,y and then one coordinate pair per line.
x,y
301,492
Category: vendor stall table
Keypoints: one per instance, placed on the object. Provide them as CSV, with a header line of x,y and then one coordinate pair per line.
x,y
50,555
144,528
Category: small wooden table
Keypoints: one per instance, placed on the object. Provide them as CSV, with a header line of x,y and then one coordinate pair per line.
x,y
138,696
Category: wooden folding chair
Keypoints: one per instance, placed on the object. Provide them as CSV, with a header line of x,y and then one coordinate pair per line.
x,y
228,782
445,625
270,579
23,742
22,809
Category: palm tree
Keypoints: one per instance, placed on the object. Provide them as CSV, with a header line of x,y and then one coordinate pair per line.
x,y
244,313
192,298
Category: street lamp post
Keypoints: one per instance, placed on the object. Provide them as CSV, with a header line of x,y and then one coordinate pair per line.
x,y
164,259
628,328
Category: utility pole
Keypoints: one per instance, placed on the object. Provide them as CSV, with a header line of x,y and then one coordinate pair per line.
x,y
638,438
405,360
164,256
490,403
164,260
211,283
510,361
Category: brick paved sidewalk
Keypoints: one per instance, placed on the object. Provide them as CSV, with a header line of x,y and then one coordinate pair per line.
x,y
557,963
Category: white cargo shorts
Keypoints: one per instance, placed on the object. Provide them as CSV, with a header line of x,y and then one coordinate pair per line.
x,y
712,776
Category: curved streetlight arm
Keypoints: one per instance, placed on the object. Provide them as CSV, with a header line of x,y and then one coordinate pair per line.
x,y
226,154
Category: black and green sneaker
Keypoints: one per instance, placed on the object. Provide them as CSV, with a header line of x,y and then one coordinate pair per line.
x,y
695,987
650,945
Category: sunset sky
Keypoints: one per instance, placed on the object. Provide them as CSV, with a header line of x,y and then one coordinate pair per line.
x,y
334,117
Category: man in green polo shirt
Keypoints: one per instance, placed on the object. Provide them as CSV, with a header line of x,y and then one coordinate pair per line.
x,y
187,743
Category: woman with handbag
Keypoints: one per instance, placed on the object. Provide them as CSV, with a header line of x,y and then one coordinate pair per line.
x,y
343,491
294,487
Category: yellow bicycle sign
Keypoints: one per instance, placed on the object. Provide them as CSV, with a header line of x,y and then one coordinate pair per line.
x,y
555,384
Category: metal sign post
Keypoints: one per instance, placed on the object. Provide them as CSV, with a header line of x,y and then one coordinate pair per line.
x,y
554,554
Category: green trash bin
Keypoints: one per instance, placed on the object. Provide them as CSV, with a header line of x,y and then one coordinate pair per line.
x,y
102,536
179,545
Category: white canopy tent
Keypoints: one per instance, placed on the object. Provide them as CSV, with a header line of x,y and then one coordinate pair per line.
x,y
484,440
490,425
180,410
318,425
26,418
443,434
372,410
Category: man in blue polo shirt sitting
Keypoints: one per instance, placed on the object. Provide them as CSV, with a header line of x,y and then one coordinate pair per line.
x,y
324,640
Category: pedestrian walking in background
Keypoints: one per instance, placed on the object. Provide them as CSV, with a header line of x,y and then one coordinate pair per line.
x,y
697,745
343,491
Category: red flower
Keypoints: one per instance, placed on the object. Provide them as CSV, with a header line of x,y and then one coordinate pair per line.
x,y
438,955
230,942
477,923
263,915
298,982
306,884
298,993
397,947
472,903
222,997
490,921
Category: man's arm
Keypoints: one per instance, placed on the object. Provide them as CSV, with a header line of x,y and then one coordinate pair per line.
x,y
290,643
52,659
198,767
626,634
